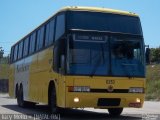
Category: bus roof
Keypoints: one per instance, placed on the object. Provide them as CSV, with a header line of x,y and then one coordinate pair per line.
x,y
82,8
97,9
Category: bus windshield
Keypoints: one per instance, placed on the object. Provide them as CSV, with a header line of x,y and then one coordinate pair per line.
x,y
103,22
116,56
127,57
85,56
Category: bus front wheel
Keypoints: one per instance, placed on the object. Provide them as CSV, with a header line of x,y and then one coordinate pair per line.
x,y
52,100
115,111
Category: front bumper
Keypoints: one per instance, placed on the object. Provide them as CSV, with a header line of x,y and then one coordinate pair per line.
x,y
104,100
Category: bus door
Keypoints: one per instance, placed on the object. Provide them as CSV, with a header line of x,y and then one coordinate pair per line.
x,y
59,63
61,83
61,90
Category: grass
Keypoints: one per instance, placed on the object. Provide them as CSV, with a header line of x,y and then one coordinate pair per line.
x,y
153,82
4,69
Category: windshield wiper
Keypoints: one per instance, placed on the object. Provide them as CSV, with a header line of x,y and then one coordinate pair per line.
x,y
98,62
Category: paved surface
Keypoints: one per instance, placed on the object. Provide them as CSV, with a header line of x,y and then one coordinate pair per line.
x,y
9,109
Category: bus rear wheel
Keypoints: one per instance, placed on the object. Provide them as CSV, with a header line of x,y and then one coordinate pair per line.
x,y
20,99
17,96
115,111
52,100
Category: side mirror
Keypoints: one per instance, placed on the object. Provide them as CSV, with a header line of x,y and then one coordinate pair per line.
x,y
62,64
147,55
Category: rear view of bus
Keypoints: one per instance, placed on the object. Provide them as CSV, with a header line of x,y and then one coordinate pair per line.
x,y
104,62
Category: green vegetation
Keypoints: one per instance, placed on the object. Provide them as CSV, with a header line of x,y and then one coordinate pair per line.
x,y
4,69
155,55
1,52
153,82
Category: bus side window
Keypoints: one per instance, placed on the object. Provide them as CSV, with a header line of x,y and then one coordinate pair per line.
x,y
47,35
32,43
59,50
20,50
12,53
50,30
15,52
60,26
26,47
40,38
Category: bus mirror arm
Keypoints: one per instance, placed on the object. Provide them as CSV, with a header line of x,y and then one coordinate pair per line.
x,y
62,65
147,54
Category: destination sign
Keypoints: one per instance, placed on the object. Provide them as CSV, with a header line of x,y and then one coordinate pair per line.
x,y
90,38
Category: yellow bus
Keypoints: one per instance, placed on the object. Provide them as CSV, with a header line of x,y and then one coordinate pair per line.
x,y
81,57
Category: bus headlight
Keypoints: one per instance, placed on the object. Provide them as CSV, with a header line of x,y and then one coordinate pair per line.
x,y
136,90
138,100
79,89
76,99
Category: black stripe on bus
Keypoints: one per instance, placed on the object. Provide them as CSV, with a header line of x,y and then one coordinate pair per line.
x,y
106,91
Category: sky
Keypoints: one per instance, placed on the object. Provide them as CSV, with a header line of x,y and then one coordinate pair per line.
x,y
19,17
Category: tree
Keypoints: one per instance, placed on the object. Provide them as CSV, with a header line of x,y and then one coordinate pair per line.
x,y
155,55
1,53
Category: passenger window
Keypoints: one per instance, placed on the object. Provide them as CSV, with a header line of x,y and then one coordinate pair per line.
x,y
12,54
60,26
20,50
51,32
15,52
32,43
47,35
50,28
26,47
40,38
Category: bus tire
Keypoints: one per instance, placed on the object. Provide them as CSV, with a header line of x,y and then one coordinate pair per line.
x,y
20,99
22,103
52,100
115,111
17,96
16,91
